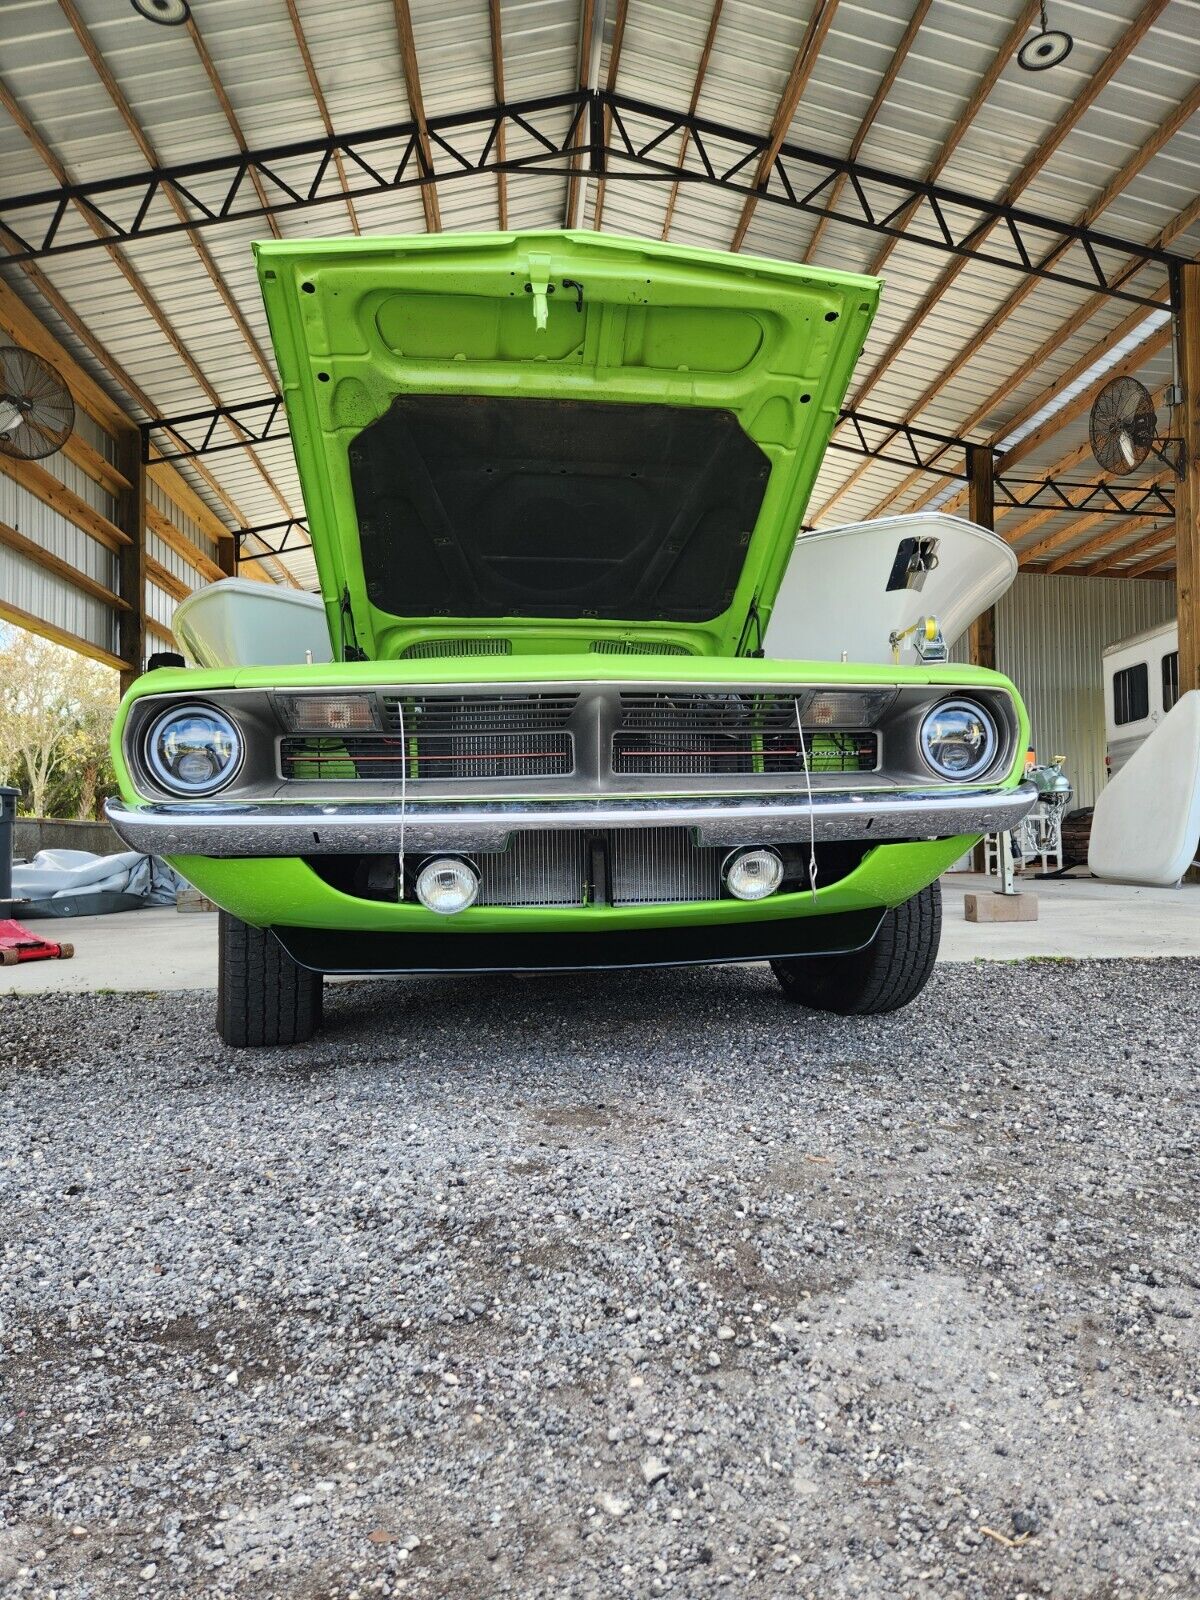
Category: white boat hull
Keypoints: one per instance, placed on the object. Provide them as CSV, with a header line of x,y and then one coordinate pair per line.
x,y
841,599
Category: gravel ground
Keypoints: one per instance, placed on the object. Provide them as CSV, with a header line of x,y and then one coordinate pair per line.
x,y
611,1285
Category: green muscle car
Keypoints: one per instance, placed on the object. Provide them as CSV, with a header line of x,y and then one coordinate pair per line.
x,y
554,482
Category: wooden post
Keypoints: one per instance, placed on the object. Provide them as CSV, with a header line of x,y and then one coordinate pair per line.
x,y
227,557
1186,425
981,637
131,518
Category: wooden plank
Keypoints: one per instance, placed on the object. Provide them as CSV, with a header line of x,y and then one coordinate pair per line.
x,y
1186,426
45,487
98,468
49,630
49,562
166,530
231,117
160,631
966,117
162,579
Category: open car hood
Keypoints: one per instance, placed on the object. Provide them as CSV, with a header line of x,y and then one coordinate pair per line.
x,y
555,440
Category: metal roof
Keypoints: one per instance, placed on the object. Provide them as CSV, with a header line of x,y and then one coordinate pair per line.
x,y
237,76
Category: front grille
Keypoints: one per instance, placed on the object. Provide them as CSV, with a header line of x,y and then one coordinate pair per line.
x,y
620,866
446,738
442,756
463,714
716,734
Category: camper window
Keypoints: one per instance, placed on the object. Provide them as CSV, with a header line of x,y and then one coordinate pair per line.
x,y
1131,694
1170,679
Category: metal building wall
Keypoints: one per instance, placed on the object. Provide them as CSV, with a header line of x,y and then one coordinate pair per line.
x,y
1050,635
43,594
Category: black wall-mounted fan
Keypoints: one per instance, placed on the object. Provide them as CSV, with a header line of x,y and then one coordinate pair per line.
x,y
36,409
1123,428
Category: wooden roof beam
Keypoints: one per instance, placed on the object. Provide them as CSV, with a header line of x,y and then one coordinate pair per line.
x,y
1129,548
819,24
1180,223
1143,568
416,104
150,156
966,118
322,105
496,37
590,22
706,51
899,55
1029,170
610,83
231,117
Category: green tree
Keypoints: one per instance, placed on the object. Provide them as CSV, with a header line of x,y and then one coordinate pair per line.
x,y
56,709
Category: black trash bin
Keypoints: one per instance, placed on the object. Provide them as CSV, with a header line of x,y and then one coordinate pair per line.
x,y
8,815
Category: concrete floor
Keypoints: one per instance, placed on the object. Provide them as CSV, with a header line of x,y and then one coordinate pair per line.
x,y
1078,917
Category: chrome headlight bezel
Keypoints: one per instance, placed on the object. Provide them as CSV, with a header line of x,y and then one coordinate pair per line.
x,y
162,774
991,747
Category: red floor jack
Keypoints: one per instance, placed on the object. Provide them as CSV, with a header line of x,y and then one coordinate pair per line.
x,y
18,944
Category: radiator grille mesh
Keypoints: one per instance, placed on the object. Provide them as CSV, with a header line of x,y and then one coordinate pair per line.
x,y
636,647
431,649
712,734
448,737
537,869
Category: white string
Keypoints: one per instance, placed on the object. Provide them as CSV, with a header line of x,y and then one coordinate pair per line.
x,y
403,789
812,813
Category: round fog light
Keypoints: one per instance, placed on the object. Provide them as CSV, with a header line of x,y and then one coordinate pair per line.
x,y
447,885
753,874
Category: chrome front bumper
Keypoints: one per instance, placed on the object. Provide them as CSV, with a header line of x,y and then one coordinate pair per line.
x,y
192,828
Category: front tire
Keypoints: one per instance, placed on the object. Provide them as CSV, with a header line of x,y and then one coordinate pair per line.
x,y
885,975
263,996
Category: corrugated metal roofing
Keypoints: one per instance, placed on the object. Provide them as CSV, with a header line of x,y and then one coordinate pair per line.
x,y
356,59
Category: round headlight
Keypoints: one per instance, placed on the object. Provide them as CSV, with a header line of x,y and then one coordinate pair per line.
x,y
959,739
193,750
447,885
753,874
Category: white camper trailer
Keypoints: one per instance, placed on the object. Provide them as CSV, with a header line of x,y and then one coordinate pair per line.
x,y
1141,684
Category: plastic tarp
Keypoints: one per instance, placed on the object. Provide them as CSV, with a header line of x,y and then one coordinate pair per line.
x,y
77,883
